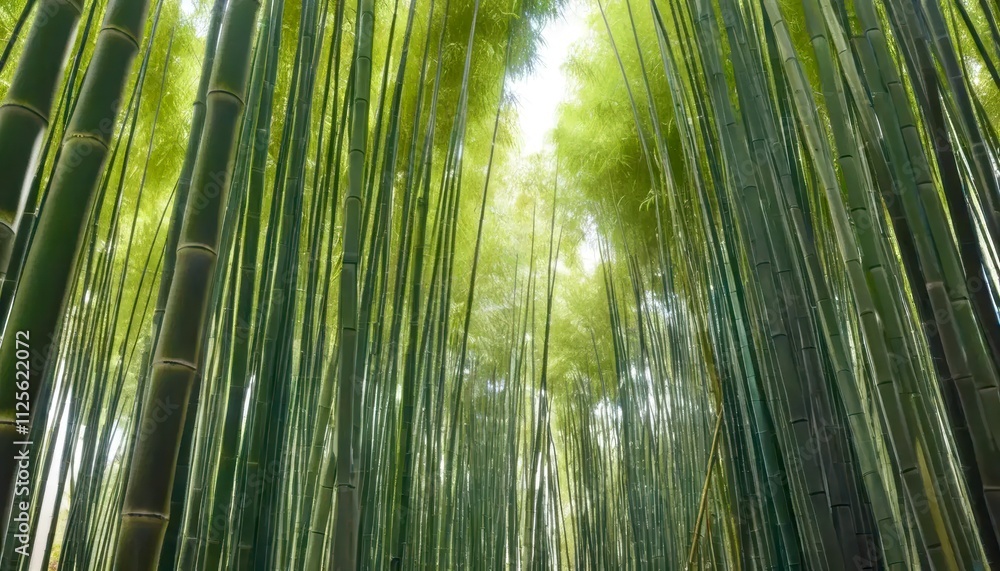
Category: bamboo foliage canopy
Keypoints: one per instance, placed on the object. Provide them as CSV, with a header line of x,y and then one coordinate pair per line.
x,y
499,284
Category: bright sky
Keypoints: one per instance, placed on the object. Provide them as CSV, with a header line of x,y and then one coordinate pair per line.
x,y
540,93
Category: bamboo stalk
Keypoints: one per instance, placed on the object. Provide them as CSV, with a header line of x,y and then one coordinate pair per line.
x,y
696,533
51,261
146,509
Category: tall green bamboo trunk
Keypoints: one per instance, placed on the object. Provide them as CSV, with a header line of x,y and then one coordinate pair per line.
x,y
25,113
346,516
173,234
51,262
324,398
404,474
275,367
184,180
146,508
227,473
15,265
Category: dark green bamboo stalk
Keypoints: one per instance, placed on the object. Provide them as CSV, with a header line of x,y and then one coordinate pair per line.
x,y
346,516
42,294
25,112
146,510
190,156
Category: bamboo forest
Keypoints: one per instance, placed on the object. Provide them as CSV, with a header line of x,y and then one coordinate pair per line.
x,y
303,285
